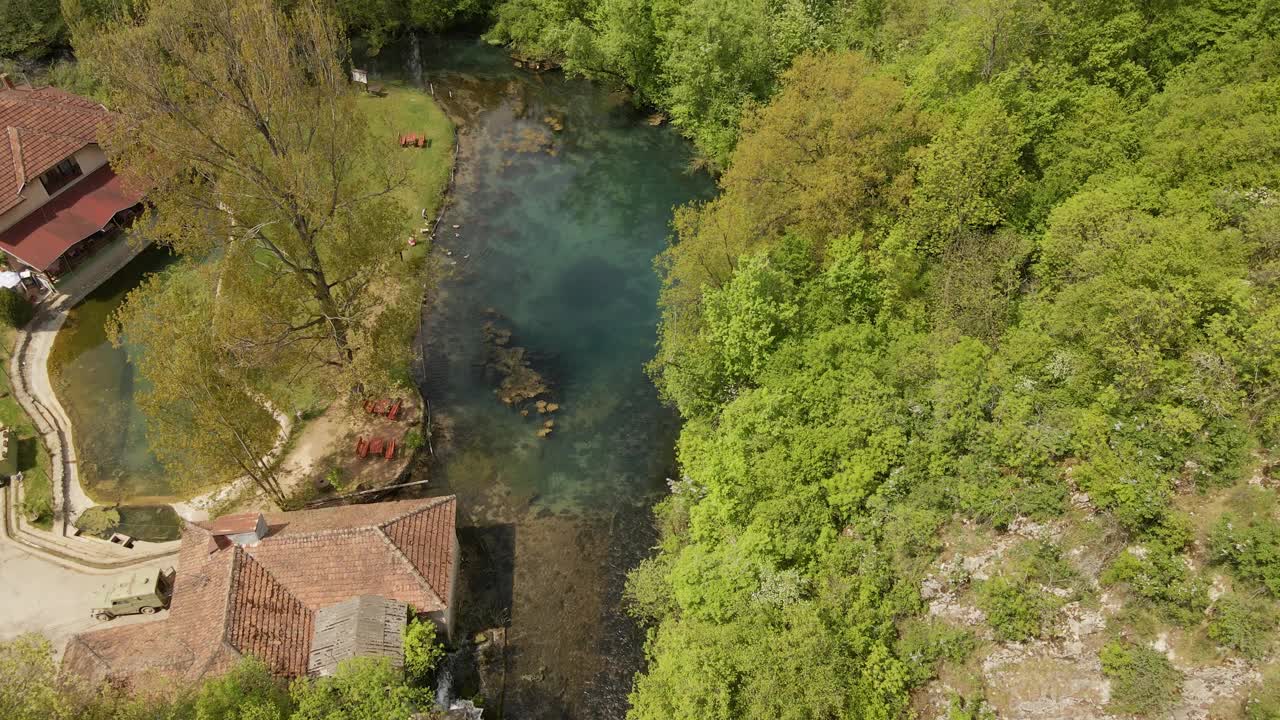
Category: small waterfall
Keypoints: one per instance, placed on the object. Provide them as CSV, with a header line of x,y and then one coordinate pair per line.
x,y
444,678
444,688
415,59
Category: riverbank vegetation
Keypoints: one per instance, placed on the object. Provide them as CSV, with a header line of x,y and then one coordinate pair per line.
x,y
400,110
977,339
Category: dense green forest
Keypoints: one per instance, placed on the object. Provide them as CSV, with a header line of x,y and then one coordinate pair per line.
x,y
32,31
972,264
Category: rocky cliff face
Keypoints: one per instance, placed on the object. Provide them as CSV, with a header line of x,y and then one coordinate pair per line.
x,y
1054,671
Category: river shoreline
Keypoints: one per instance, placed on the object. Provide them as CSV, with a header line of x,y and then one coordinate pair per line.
x,y
563,194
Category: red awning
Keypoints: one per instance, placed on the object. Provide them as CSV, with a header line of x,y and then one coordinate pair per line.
x,y
82,210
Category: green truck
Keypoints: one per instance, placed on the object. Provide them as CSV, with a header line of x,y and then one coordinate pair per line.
x,y
145,591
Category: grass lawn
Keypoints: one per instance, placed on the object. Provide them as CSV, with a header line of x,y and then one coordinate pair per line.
x,y
401,110
408,110
33,457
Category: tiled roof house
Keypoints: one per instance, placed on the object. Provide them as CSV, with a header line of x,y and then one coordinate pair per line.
x,y
240,591
56,188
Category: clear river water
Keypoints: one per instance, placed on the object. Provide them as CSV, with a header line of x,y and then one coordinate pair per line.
x,y
564,197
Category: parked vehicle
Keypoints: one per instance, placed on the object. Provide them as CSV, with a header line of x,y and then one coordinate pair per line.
x,y
145,592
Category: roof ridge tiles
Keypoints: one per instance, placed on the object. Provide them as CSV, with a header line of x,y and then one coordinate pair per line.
x,y
435,502
413,570
315,534
49,95
48,133
15,147
231,590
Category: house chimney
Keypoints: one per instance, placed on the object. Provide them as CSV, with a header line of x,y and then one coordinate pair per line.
x,y
251,535
246,529
8,81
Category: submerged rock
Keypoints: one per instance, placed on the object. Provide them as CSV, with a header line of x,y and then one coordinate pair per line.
x,y
518,381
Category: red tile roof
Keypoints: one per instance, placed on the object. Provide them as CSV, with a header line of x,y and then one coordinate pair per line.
x,y
73,215
265,620
43,127
421,537
261,599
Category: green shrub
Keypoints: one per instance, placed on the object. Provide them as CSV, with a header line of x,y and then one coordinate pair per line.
x,y
1251,548
422,653
1143,681
961,709
647,596
1264,702
412,440
37,498
1243,624
15,311
1016,610
73,77
1043,564
925,643
1158,575
248,692
98,521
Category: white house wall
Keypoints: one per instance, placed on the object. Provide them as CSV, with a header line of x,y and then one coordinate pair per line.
x,y
89,157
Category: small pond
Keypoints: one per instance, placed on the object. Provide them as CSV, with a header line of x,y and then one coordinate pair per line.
x,y
153,523
96,383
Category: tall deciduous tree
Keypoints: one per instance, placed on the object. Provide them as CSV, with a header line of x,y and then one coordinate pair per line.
x,y
30,28
30,687
829,156
363,689
207,417
240,117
